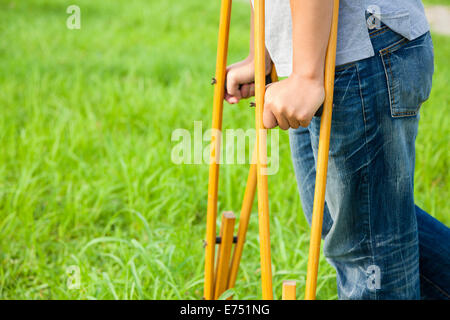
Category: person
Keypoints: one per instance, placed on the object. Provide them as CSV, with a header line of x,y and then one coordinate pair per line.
x,y
380,243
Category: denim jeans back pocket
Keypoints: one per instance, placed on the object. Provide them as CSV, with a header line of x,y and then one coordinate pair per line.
x,y
409,68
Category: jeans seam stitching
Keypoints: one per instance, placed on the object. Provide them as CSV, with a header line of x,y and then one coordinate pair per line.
x,y
392,79
367,168
374,34
395,46
387,84
378,29
436,286
345,66
392,105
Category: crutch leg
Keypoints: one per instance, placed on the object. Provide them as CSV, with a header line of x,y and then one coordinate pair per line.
x,y
244,219
322,161
221,62
261,145
289,291
223,258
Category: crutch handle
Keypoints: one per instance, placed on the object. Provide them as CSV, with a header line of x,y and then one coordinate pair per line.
x,y
268,80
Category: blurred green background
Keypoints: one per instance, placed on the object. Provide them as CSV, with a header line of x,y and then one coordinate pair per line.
x,y
86,178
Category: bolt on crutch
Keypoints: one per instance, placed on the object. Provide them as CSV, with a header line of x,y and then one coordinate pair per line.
x,y
223,276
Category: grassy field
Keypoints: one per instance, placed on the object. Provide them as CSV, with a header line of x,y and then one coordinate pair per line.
x,y
86,177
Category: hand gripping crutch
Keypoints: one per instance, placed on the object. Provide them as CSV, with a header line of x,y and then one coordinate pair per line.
x,y
214,282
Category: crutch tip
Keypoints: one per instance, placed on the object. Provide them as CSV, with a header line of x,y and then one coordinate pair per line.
x,y
289,290
229,215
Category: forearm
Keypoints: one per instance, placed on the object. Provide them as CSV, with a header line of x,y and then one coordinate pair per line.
x,y
311,24
241,75
252,42
251,50
292,102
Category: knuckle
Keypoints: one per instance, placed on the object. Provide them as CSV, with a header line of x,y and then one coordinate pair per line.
x,y
302,116
231,79
279,108
304,123
290,112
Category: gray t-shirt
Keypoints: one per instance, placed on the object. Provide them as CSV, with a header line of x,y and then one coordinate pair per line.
x,y
406,17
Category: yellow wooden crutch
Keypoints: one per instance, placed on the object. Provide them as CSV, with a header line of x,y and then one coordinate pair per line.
x,y
261,151
221,63
246,209
322,161
258,169
288,290
223,259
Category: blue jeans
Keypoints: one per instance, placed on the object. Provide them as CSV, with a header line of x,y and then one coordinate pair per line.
x,y
381,245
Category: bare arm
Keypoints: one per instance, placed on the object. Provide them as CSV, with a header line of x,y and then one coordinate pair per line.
x,y
241,75
311,24
295,100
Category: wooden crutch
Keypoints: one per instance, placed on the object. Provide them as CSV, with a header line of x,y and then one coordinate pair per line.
x,y
319,195
258,169
261,151
288,292
246,208
322,161
219,80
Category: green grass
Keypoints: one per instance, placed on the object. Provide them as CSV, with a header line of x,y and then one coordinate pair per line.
x,y
436,2
85,172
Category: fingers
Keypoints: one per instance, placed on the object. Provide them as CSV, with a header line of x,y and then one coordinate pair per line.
x,y
293,123
252,90
269,119
231,99
282,121
284,118
303,118
304,123
233,88
273,118
247,90
273,114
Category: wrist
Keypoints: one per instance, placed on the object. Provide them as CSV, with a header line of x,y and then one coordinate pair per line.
x,y
314,79
268,63
250,58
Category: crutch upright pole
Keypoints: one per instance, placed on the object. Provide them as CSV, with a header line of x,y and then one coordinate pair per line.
x,y
219,92
322,161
